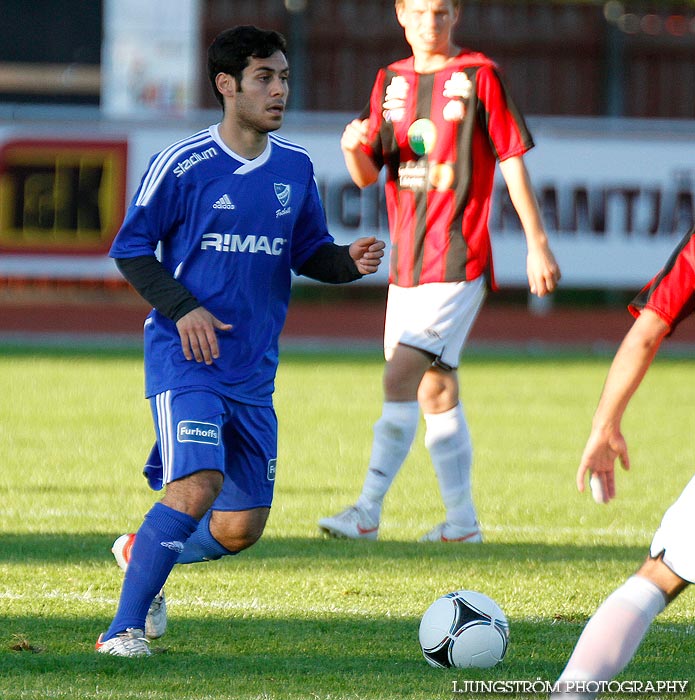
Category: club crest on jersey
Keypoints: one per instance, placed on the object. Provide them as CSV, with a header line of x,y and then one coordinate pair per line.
x,y
422,136
283,193
195,431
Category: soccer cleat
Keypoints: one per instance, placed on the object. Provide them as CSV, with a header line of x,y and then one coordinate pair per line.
x,y
444,532
132,642
121,550
156,621
352,523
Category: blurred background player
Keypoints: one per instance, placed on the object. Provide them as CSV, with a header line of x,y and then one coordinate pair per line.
x,y
611,637
438,122
233,223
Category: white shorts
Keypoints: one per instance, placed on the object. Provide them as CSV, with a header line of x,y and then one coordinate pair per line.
x,y
435,318
674,536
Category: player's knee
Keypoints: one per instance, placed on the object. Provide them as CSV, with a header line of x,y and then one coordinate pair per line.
x,y
239,530
654,570
238,541
433,403
436,398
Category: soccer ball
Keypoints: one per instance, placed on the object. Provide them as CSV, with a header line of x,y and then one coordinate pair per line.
x,y
465,629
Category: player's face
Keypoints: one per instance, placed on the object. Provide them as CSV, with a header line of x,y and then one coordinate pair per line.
x,y
260,104
428,24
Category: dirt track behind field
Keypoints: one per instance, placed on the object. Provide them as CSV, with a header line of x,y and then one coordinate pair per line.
x,y
100,316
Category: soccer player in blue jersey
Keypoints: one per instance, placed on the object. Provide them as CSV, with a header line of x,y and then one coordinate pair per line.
x,y
234,209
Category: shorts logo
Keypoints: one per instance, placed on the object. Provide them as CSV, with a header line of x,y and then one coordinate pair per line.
x,y
272,466
194,431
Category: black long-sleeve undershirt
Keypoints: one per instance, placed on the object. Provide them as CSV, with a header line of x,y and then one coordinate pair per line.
x,y
330,263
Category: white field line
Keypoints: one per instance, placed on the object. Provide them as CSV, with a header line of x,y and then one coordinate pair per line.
x,y
190,603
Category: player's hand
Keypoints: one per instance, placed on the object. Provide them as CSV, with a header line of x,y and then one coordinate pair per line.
x,y
355,135
197,330
542,270
598,460
367,253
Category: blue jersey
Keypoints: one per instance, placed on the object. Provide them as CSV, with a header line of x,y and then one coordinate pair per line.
x,y
230,230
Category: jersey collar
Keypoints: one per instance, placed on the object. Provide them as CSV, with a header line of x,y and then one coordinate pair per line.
x,y
246,164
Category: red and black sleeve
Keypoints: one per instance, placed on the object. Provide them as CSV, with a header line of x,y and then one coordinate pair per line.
x,y
671,293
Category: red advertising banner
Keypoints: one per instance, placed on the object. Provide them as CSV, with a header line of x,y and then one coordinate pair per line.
x,y
61,197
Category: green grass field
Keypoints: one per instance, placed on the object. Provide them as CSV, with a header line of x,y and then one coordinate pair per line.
x,y
298,616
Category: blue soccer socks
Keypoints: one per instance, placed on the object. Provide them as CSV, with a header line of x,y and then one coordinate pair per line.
x,y
158,544
201,545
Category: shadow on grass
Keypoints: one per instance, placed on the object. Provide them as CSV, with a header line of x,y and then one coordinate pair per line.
x,y
75,547
246,657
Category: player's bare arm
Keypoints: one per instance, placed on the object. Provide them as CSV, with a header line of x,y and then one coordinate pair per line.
x,y
367,253
541,267
198,333
606,443
360,166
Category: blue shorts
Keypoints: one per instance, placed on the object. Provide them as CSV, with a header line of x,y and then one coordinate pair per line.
x,y
199,429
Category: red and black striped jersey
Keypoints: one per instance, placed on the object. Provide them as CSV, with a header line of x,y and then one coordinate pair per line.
x,y
439,136
671,293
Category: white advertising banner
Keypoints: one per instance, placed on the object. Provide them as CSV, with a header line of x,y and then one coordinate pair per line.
x,y
616,198
616,195
150,57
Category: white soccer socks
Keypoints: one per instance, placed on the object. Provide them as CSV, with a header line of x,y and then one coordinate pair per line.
x,y
394,433
449,444
611,637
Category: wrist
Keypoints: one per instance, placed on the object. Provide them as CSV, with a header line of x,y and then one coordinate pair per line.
x,y
605,426
536,241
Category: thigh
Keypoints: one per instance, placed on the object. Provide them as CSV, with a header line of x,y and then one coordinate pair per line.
x,y
193,494
250,440
189,426
404,371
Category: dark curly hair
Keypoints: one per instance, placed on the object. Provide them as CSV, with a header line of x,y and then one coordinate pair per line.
x,y
231,50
